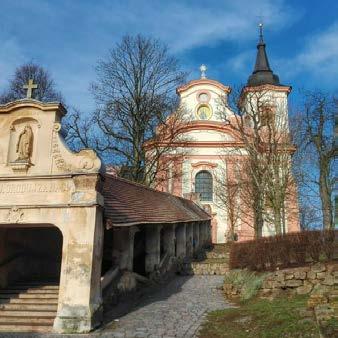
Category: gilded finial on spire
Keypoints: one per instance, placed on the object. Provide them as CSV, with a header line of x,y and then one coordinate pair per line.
x,y
203,69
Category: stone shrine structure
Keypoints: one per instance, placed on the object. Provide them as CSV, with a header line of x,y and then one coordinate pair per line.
x,y
62,219
45,186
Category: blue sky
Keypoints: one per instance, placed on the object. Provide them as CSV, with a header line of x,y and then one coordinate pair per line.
x,y
69,36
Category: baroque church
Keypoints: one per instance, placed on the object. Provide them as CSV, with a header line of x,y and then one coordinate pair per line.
x,y
212,150
69,229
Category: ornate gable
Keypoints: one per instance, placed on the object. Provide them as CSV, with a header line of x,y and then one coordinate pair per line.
x,y
30,142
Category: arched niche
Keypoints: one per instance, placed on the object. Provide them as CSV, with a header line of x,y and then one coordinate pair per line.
x,y
16,129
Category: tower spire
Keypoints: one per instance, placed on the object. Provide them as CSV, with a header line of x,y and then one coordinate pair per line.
x,y
262,73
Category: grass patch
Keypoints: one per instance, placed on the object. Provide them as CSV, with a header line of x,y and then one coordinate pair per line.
x,y
246,282
330,329
262,318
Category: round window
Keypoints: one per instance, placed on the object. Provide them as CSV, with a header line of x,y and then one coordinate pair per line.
x,y
203,97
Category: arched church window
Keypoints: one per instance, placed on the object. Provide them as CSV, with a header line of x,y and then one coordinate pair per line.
x,y
204,185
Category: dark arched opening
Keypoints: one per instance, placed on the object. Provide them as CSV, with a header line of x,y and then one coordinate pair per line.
x,y
162,245
30,254
107,256
175,239
139,259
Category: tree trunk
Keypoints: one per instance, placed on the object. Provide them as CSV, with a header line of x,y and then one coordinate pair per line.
x,y
283,220
325,193
258,218
277,221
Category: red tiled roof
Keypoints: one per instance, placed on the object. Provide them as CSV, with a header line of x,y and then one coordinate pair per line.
x,y
128,203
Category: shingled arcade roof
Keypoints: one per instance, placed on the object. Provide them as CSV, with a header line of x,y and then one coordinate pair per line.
x,y
128,203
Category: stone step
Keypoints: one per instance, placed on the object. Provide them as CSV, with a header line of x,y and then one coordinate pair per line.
x,y
35,287
25,328
222,247
212,261
28,300
35,291
217,255
26,320
46,282
28,307
205,268
36,314
29,295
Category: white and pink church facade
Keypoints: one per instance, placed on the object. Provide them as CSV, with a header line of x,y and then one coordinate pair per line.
x,y
211,148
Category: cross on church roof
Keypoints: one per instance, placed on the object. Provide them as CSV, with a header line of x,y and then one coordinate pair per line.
x,y
260,32
30,86
203,69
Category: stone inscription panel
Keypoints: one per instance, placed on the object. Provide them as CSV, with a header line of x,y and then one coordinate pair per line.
x,y
36,192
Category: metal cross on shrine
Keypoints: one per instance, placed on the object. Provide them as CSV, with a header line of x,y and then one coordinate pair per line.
x,y
30,86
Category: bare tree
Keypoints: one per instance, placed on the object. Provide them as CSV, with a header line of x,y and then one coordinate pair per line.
x,y
228,190
134,93
45,92
266,182
315,141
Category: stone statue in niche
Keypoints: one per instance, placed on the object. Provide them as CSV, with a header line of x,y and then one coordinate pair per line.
x,y
24,146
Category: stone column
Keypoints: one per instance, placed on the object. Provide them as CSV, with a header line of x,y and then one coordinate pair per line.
x,y
123,247
189,238
153,250
169,239
80,301
196,239
181,243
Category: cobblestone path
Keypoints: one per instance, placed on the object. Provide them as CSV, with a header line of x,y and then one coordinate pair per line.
x,y
176,310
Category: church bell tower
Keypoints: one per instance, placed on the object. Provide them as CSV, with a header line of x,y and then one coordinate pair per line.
x,y
263,85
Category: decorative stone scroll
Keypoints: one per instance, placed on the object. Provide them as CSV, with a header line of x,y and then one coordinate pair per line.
x,y
85,160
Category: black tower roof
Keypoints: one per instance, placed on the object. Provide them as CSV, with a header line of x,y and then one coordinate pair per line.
x,y
262,73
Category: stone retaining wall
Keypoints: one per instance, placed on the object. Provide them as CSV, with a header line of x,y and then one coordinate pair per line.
x,y
318,278
206,267
320,281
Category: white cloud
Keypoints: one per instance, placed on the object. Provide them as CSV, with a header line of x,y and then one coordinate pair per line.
x,y
75,34
242,62
184,24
